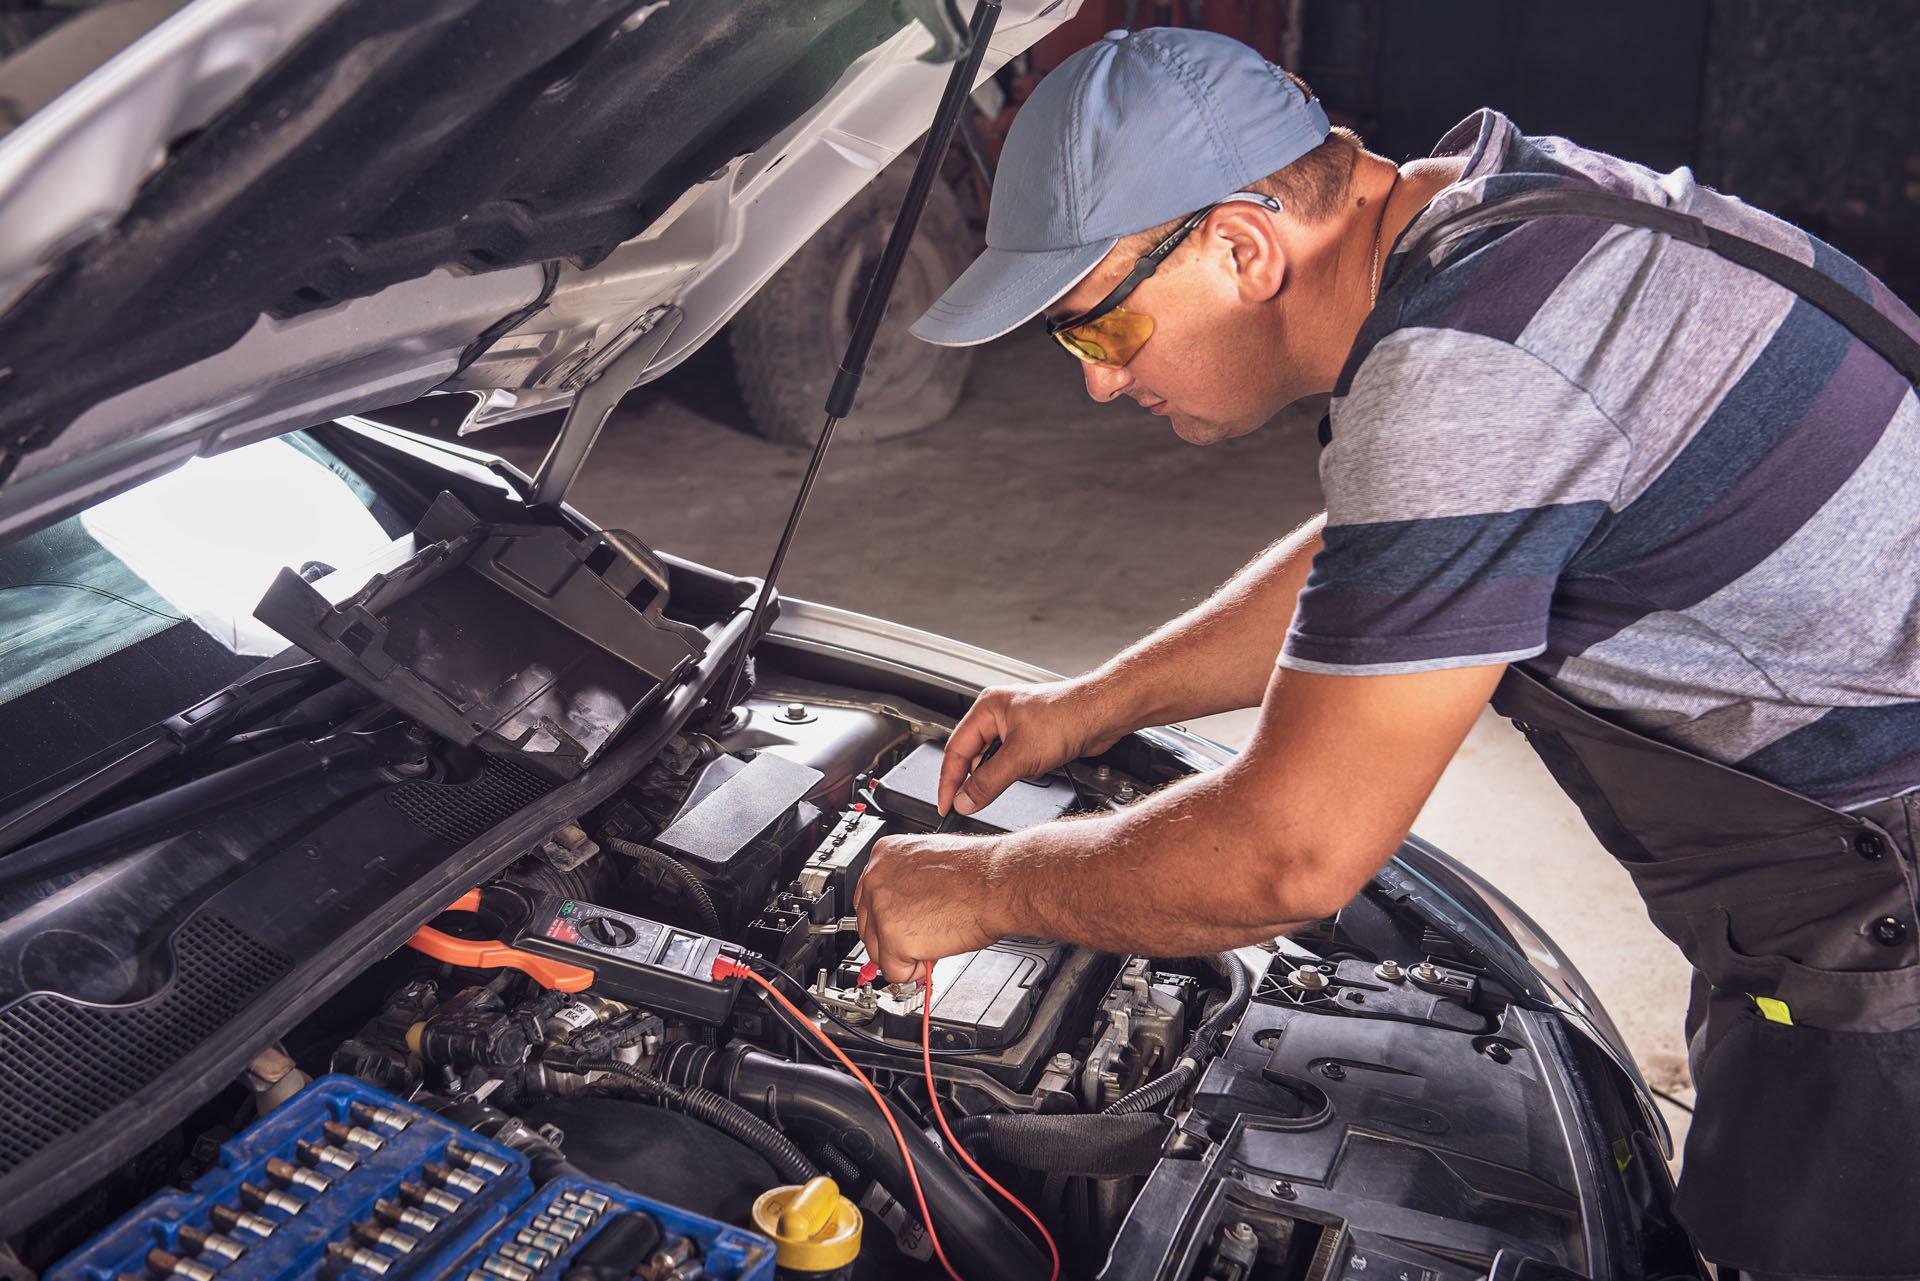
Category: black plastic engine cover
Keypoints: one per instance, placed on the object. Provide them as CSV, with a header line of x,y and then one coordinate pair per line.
x,y
1370,1146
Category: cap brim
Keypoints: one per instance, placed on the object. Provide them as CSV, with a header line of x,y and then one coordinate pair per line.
x,y
1003,290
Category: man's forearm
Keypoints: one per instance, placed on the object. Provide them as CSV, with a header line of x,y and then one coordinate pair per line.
x,y
1176,875
1219,655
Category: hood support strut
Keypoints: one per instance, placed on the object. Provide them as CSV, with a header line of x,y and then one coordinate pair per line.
x,y
593,404
846,383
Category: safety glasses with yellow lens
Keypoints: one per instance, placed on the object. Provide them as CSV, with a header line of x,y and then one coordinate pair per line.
x,y
1106,335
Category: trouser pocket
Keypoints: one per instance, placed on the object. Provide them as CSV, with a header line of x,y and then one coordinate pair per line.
x,y
1804,1152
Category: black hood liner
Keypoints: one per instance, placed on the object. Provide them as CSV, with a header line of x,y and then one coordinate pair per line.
x,y
400,138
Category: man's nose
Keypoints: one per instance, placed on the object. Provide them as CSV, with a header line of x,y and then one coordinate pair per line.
x,y
1105,382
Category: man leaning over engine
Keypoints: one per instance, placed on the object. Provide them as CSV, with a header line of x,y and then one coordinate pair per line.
x,y
1654,504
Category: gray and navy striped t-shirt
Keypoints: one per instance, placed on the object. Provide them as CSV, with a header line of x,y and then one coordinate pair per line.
x,y
1684,496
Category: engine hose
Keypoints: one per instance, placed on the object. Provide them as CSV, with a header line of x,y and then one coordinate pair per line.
x,y
1239,994
671,869
1096,1145
1157,1093
838,1165
981,1240
723,1114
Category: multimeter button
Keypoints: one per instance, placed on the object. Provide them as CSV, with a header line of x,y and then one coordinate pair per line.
x,y
607,931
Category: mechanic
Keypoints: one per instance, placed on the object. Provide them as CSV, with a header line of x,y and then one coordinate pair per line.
x,y
1656,506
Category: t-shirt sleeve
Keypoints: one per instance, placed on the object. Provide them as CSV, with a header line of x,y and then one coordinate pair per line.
x,y
1463,475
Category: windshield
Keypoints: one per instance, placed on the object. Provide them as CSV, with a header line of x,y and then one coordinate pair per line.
x,y
114,619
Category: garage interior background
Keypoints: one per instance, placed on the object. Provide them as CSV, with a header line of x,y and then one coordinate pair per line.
x,y
1037,523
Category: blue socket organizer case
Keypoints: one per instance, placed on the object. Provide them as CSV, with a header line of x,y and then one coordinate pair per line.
x,y
474,1228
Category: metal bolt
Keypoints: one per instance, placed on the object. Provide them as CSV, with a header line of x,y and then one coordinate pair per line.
x,y
1126,793
1307,979
1498,1052
1389,972
1333,1072
1425,972
1242,1232
1061,1063
794,714
1284,1190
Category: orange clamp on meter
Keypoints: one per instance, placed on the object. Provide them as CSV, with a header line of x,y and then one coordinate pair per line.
x,y
493,954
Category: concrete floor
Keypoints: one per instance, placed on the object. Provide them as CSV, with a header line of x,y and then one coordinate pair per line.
x,y
1045,526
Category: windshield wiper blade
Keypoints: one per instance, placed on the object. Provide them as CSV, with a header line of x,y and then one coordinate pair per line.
x,y
207,722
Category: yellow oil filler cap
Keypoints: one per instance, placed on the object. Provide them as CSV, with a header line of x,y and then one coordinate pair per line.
x,y
814,1227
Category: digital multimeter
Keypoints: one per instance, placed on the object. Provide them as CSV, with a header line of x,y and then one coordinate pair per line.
x,y
662,967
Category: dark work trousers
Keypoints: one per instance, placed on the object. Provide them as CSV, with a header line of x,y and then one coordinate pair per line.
x,y
1803,1158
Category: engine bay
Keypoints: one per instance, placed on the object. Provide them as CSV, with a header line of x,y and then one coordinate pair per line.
x,y
1363,1095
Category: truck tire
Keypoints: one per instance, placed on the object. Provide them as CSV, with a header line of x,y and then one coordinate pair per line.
x,y
789,339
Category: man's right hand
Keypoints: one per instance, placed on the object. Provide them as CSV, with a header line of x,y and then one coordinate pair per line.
x,y
1039,727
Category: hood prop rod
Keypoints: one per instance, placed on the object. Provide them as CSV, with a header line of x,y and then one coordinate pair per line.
x,y
853,364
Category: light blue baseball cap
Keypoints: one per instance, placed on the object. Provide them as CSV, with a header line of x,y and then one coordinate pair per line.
x,y
1135,130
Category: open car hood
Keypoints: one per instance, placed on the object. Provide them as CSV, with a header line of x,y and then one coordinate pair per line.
x,y
264,214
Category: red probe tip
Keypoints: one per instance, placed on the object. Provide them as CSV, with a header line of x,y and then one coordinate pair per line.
x,y
867,972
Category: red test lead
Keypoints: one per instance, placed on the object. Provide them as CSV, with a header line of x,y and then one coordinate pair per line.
x,y
953,1144
725,967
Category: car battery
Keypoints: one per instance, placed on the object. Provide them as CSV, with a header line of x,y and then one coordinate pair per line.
x,y
345,1181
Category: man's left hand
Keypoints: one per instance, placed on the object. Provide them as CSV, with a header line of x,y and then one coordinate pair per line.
x,y
923,898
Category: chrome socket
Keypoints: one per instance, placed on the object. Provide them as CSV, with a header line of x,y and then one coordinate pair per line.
x,y
458,1180
353,1136
506,1268
289,1175
485,1162
372,1234
374,1114
323,1156
255,1197
213,1243
550,1242
342,1257
598,1202
228,1219
172,1265
396,1215
525,1255
440,1202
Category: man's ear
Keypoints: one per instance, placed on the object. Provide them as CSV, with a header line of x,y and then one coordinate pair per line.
x,y
1255,251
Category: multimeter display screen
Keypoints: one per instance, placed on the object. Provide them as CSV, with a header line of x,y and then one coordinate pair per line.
x,y
678,951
